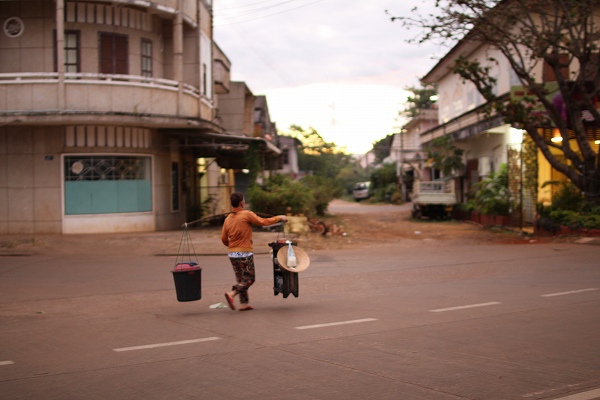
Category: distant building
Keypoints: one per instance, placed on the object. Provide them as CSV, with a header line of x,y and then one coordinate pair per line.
x,y
289,156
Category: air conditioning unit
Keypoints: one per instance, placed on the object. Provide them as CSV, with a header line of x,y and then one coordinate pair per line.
x,y
483,166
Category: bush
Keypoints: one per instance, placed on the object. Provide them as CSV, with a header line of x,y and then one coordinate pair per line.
x,y
384,183
280,195
323,191
385,194
492,196
569,208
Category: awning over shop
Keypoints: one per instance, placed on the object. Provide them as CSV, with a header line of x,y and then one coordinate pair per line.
x,y
229,149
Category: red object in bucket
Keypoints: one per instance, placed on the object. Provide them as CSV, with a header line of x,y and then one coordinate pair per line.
x,y
188,266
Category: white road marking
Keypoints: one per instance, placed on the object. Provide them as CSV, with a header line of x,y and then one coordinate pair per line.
x,y
152,346
356,321
6,362
492,303
571,292
592,394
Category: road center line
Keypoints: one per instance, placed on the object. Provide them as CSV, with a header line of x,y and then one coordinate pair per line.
x,y
592,394
356,321
155,345
571,292
492,303
6,362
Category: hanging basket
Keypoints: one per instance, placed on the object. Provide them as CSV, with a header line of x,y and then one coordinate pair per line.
x,y
187,274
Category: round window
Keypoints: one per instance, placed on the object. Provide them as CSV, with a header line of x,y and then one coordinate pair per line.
x,y
13,27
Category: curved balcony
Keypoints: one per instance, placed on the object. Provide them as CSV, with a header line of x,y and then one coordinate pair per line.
x,y
101,96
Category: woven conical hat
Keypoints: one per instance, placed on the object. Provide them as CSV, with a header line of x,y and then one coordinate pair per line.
x,y
302,258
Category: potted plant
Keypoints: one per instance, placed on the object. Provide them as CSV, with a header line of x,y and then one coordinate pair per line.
x,y
492,198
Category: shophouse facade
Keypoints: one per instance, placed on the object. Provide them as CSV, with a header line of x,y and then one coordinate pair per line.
x,y
106,109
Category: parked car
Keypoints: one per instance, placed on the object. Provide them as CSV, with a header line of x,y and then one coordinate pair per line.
x,y
361,191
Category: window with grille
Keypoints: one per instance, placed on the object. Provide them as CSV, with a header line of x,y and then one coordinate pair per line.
x,y
72,51
146,58
103,184
113,53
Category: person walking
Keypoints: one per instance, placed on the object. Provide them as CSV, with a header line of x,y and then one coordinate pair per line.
x,y
237,236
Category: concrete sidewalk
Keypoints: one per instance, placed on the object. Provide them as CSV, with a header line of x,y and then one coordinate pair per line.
x,y
205,241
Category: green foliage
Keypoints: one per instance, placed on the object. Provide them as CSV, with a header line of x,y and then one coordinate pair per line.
x,y
382,148
384,183
568,197
491,195
349,175
575,220
445,155
318,156
569,208
420,99
323,190
280,194
530,163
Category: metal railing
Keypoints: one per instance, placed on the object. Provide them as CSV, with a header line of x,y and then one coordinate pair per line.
x,y
98,79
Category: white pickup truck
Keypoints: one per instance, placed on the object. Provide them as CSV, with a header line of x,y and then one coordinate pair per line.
x,y
433,199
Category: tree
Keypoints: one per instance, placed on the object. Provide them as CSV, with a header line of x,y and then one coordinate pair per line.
x,y
384,183
317,155
382,148
420,99
445,156
561,36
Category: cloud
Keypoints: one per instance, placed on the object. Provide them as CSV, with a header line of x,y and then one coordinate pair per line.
x,y
307,54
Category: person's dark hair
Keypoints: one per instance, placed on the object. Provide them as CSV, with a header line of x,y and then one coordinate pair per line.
x,y
236,198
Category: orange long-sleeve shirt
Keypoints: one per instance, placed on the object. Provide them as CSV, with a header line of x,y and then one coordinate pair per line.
x,y
237,229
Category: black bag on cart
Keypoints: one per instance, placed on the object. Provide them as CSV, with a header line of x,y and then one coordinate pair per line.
x,y
284,281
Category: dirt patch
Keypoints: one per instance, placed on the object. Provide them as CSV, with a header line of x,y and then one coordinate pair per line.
x,y
363,230
354,230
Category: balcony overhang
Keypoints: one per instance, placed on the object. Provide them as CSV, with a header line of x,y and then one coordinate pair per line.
x,y
62,117
154,7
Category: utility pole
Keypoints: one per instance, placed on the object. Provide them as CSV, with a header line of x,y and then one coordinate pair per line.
x,y
401,166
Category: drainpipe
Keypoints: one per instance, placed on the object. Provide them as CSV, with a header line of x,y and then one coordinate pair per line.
x,y
178,52
60,52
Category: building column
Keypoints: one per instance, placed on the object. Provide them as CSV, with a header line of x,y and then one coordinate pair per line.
x,y
178,52
60,52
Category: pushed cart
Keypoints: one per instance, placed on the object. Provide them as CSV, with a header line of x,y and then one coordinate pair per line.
x,y
285,277
284,281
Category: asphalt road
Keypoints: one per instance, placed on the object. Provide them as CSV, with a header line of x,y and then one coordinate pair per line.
x,y
408,320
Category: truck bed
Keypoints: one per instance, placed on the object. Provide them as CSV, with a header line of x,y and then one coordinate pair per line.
x,y
434,192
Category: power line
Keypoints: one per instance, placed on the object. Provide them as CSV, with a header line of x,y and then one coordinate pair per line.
x,y
240,7
265,16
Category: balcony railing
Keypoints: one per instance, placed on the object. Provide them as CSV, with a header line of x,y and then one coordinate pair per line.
x,y
39,91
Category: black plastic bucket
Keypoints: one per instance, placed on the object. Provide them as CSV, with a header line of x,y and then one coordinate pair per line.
x,y
188,283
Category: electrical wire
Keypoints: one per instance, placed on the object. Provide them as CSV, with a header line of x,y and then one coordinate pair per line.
x,y
242,6
217,24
